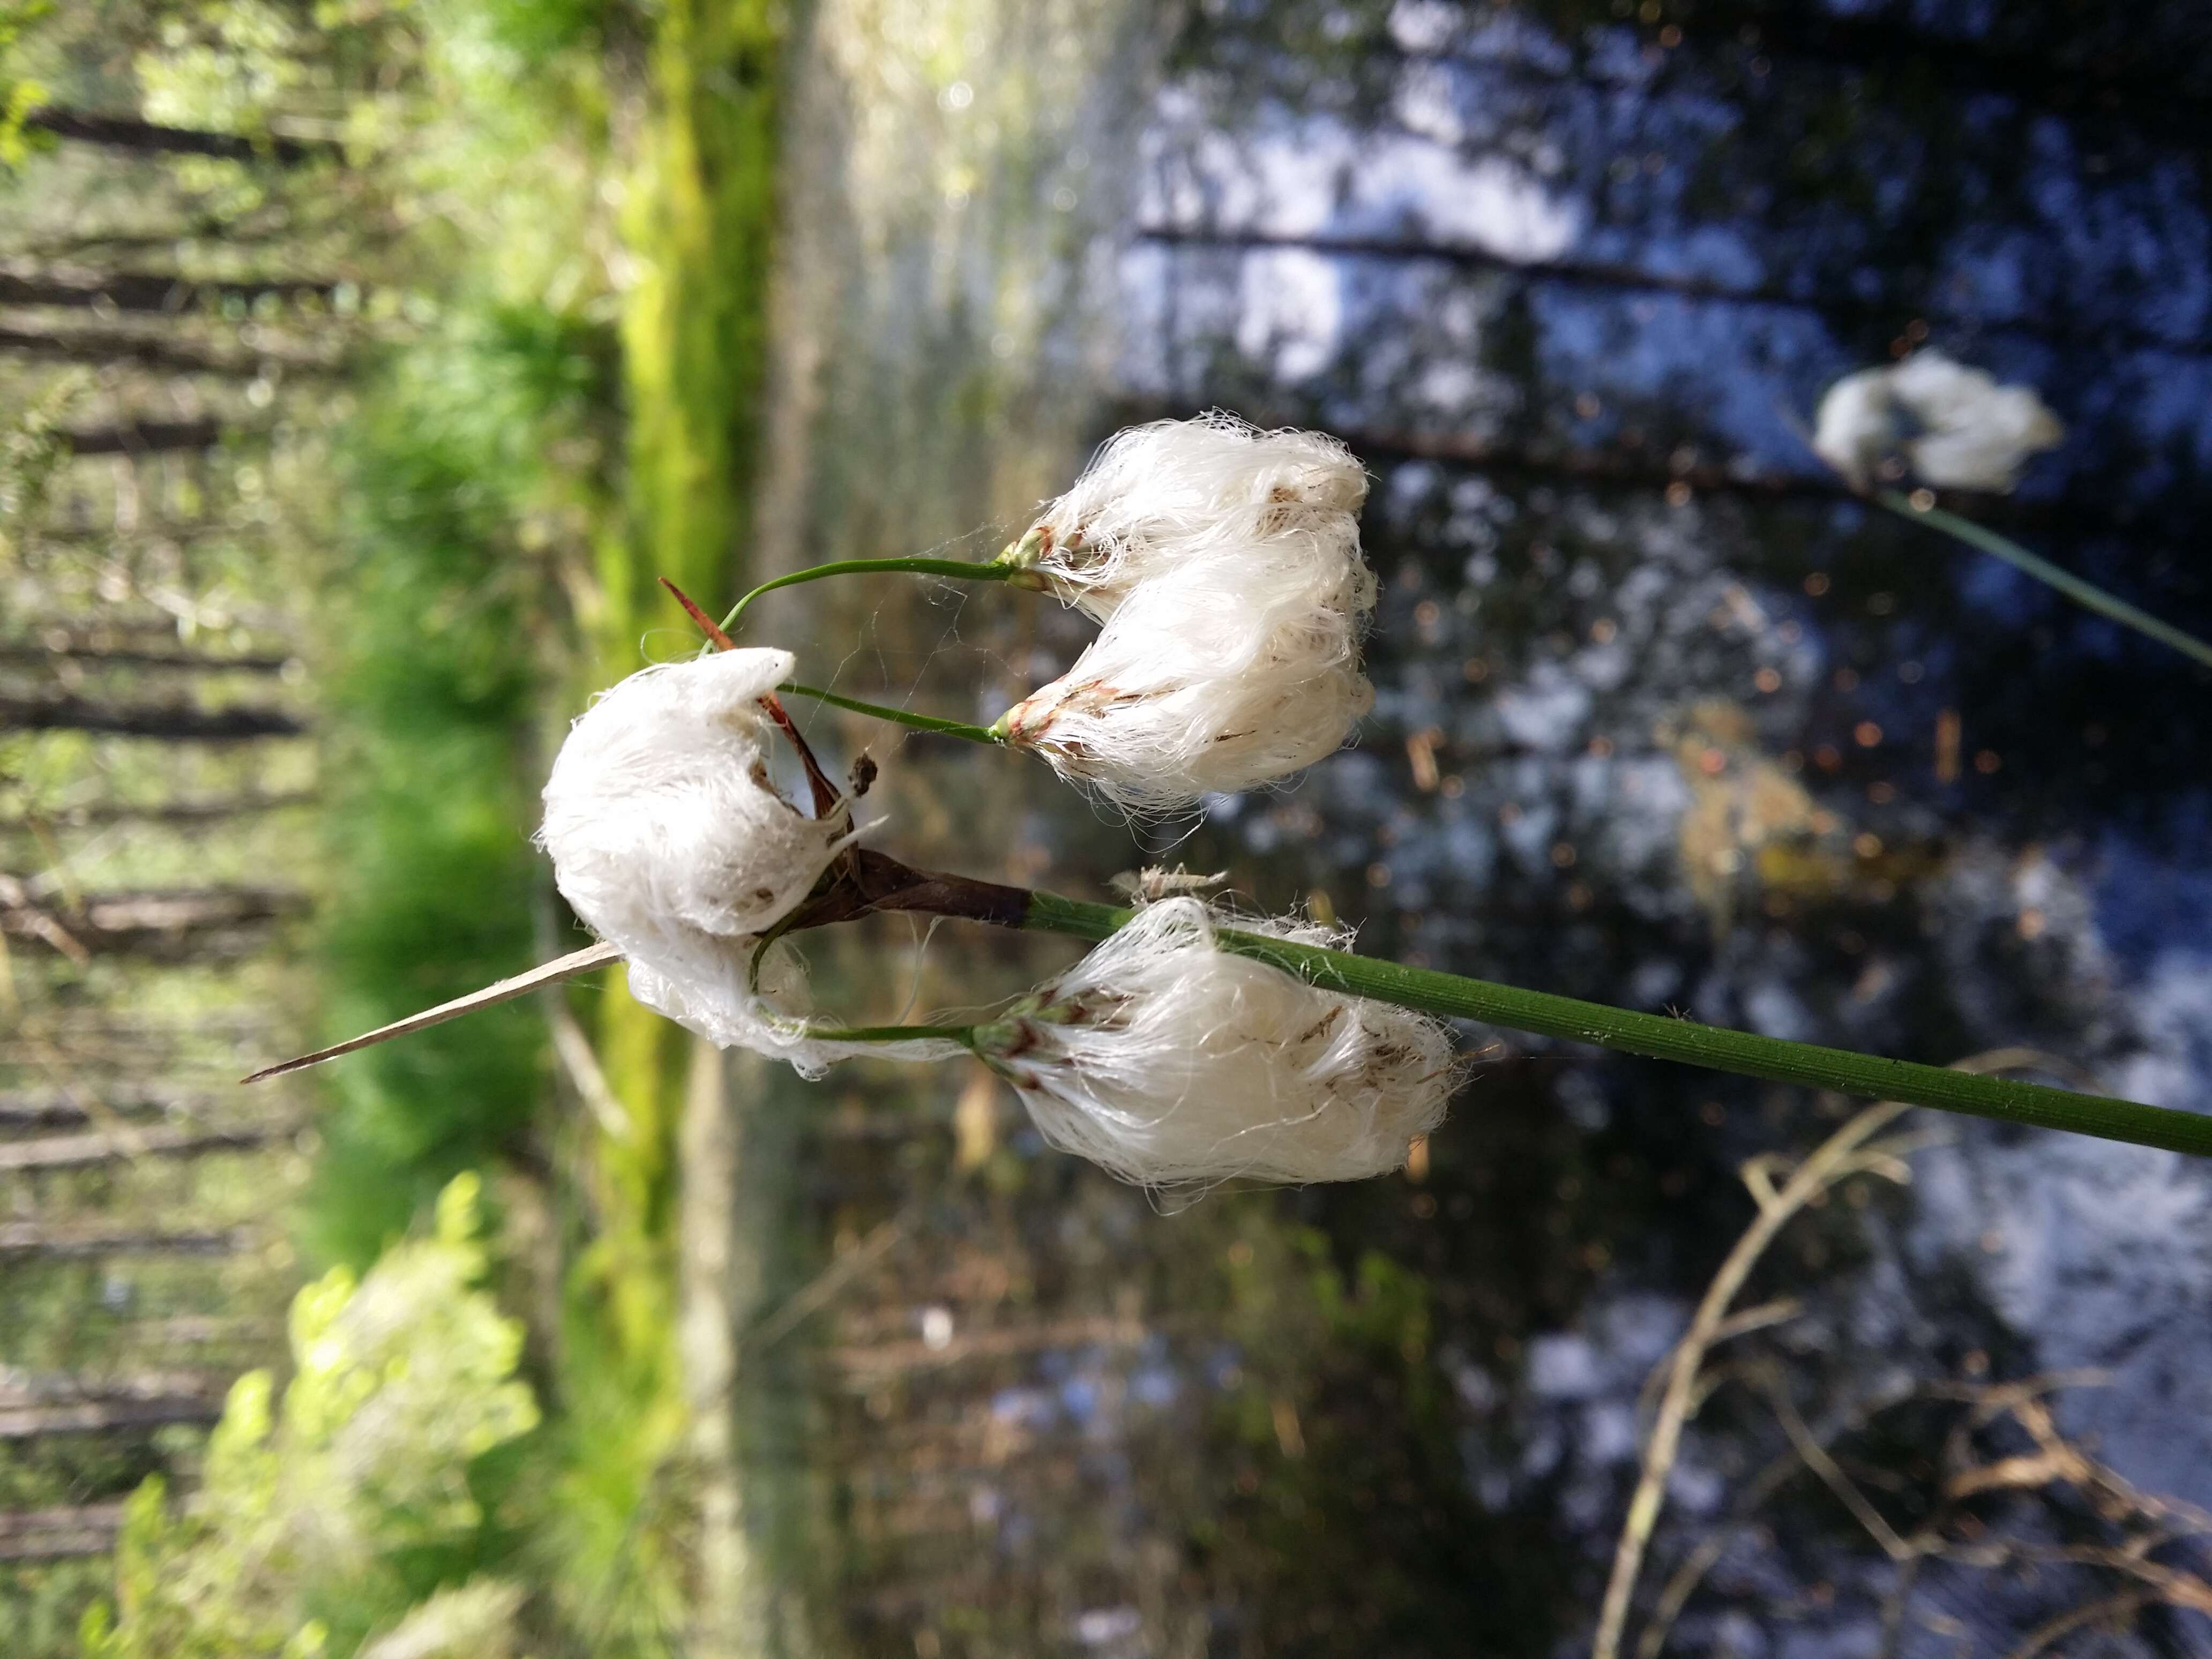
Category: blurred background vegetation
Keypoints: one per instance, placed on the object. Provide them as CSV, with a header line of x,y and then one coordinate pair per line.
x,y
362,362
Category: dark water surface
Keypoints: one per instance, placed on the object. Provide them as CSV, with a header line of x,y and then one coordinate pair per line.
x,y
1665,718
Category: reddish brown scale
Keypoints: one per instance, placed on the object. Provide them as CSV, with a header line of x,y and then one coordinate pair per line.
x,y
825,793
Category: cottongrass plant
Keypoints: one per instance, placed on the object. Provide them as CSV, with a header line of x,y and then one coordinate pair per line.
x,y
1222,676
1188,1048
662,816
1224,565
671,841
1950,427
1158,499
1173,1064
1955,427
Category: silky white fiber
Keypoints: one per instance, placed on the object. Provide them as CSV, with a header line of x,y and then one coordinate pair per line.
x,y
708,986
660,813
1158,497
1856,430
1171,1063
1224,565
1955,427
671,841
1975,434
1221,676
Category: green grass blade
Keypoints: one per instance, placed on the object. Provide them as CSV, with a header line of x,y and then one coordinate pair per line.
x,y
2083,593
963,570
901,716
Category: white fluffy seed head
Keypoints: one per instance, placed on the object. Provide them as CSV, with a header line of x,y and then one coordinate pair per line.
x,y
1856,430
1171,1063
1956,427
660,813
1224,565
1213,678
1160,497
671,841
1975,434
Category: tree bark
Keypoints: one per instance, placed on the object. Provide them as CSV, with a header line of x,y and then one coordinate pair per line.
x,y
57,1534
150,291
123,1028
54,1110
34,1407
1888,313
266,225
93,646
175,811
151,527
147,922
173,722
199,1331
148,138
145,437
89,1150
106,1413
85,345
27,1241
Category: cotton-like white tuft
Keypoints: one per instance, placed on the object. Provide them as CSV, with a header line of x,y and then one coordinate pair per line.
x,y
671,841
1159,498
660,813
1955,426
1224,565
1216,678
1975,434
1170,1062
1856,430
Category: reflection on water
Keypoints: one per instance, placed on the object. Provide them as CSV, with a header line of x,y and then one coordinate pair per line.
x,y
1663,717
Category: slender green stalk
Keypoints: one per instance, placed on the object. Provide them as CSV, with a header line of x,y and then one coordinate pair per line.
x,y
963,1035
1662,1038
963,570
2081,592
903,716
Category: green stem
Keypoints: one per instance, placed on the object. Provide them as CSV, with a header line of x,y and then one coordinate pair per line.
x,y
903,716
965,571
1662,1038
963,1035
2043,570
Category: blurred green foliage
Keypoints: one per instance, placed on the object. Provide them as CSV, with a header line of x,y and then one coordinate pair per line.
x,y
538,416
325,1517
32,449
1340,1446
434,696
541,29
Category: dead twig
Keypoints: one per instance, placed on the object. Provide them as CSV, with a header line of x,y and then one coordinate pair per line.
x,y
580,1064
1778,1474
1815,1457
1776,1312
1776,1207
1845,1153
823,1288
2126,1605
